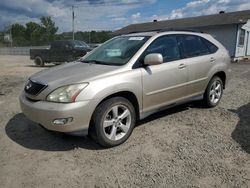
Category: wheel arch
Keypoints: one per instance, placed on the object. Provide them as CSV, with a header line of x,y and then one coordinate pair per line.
x,y
38,55
130,96
222,76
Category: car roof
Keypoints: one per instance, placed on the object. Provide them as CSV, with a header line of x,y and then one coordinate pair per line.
x,y
153,33
67,40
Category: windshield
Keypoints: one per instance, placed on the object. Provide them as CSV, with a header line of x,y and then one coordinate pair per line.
x,y
118,51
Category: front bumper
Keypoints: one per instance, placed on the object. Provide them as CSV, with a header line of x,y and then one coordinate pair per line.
x,y
44,113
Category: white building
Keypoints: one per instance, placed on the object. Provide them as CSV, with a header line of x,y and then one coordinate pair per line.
x,y
231,29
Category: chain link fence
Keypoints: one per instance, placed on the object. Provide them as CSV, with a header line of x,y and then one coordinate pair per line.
x,y
19,50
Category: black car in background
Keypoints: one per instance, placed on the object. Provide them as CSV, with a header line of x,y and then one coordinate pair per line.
x,y
59,52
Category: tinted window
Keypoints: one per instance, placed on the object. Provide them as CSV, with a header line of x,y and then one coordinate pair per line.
x,y
212,48
167,46
57,44
193,46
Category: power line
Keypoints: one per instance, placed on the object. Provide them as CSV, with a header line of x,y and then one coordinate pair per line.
x,y
106,3
86,3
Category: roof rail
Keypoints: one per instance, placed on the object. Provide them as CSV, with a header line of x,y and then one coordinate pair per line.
x,y
156,30
164,30
173,29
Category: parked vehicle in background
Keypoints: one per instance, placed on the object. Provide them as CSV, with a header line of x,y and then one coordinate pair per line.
x,y
59,52
126,79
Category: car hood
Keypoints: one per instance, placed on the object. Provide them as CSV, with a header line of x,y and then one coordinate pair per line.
x,y
70,73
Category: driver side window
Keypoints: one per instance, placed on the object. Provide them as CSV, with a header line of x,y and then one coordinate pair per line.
x,y
165,45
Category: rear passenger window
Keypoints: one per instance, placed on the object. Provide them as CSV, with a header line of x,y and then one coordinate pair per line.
x,y
165,45
212,48
193,46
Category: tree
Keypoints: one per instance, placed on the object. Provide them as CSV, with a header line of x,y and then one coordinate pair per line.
x,y
44,32
17,30
18,33
49,28
33,32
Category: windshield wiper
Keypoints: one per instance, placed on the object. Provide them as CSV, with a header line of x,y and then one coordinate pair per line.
x,y
91,61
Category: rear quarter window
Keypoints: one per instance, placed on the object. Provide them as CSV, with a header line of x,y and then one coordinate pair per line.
x,y
212,48
192,46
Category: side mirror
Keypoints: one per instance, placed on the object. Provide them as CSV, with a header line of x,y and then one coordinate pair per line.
x,y
153,59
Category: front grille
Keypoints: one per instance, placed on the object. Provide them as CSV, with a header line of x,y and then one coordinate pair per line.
x,y
34,88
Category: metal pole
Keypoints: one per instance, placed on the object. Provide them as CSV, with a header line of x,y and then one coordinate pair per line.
x,y
73,25
10,36
89,37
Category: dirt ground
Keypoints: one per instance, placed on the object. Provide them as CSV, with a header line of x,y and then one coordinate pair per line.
x,y
187,146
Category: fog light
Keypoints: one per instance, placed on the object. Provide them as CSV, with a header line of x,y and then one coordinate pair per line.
x,y
62,121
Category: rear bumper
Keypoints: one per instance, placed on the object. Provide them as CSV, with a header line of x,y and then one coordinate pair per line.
x,y
45,113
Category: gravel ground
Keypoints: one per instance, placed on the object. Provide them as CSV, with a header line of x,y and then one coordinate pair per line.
x,y
187,146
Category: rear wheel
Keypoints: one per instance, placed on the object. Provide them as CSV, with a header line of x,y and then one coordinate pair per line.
x,y
39,61
113,122
213,92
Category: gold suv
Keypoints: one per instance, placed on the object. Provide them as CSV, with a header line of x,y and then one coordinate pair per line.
x,y
124,80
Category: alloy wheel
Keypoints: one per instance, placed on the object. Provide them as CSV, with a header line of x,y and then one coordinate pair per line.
x,y
117,122
215,92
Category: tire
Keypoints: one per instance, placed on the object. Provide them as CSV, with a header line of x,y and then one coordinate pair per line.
x,y
213,92
112,122
39,61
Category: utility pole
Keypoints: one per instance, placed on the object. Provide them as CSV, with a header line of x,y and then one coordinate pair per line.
x,y
89,37
11,37
73,24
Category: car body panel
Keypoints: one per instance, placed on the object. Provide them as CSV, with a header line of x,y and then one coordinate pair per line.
x,y
163,84
44,113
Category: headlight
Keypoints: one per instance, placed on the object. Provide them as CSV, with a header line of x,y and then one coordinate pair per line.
x,y
66,94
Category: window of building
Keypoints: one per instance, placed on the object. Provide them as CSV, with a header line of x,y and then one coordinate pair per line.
x,y
241,37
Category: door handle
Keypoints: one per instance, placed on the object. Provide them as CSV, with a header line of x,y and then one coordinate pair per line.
x,y
182,66
212,60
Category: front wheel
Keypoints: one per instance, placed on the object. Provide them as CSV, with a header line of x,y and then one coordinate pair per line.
x,y
213,92
113,122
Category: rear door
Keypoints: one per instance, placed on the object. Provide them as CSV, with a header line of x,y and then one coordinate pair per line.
x,y
199,61
165,83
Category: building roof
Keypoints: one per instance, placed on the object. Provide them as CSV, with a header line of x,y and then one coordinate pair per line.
x,y
189,23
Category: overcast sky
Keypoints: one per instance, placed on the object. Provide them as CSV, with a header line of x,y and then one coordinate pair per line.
x,y
110,14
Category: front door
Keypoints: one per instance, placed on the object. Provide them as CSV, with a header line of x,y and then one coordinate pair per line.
x,y
165,83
